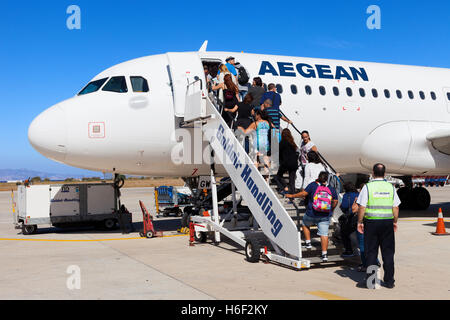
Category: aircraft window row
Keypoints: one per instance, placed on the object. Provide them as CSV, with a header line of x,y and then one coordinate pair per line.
x,y
362,92
116,84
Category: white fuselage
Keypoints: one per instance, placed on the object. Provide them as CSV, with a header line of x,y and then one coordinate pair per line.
x,y
135,131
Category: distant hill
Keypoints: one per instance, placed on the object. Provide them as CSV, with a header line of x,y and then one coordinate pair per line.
x,y
22,174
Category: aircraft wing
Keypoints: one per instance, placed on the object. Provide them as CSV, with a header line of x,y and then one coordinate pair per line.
x,y
440,139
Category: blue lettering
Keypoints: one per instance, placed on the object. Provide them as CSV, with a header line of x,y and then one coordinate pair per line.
x,y
219,133
271,217
266,67
250,183
309,73
260,198
268,208
342,73
255,191
286,69
246,173
361,72
277,226
324,71
265,204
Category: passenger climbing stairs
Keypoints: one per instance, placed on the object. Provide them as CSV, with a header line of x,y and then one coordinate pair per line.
x,y
274,235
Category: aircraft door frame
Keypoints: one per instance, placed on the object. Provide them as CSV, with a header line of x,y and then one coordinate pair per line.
x,y
185,68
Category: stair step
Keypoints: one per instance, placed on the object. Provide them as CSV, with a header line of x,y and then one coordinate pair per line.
x,y
331,259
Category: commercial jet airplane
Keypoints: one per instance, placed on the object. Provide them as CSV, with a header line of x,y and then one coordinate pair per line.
x,y
357,113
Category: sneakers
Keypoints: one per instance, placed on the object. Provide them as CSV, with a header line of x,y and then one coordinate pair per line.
x,y
347,254
325,257
388,285
308,245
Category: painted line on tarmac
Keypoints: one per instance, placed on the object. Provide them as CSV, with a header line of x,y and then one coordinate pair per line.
x,y
86,240
326,295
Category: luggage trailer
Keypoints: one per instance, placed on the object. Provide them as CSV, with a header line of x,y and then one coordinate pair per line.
x,y
68,205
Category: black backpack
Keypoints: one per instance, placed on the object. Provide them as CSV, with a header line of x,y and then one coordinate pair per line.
x,y
243,76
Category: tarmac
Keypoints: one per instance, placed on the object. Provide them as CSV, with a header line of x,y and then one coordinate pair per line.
x,y
113,265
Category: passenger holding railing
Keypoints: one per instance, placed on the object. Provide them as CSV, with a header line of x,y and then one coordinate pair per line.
x,y
244,112
208,77
321,200
244,119
288,162
306,146
274,110
257,91
261,127
231,99
218,81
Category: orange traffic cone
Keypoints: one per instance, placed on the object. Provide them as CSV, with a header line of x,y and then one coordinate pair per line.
x,y
440,227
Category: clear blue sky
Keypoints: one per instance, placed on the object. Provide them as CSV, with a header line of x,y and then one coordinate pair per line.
x,y
42,62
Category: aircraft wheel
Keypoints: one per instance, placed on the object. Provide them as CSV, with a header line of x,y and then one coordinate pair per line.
x,y
405,195
252,251
421,198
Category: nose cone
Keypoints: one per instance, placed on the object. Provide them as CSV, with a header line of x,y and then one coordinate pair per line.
x,y
48,133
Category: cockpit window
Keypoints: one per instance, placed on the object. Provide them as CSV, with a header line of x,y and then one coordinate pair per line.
x,y
116,84
93,86
139,84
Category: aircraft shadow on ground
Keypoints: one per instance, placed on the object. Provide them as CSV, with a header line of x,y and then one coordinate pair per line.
x,y
447,225
431,212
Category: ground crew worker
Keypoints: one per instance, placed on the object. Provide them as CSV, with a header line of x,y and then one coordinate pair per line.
x,y
377,220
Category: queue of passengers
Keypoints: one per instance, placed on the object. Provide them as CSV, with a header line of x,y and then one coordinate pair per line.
x,y
256,111
252,109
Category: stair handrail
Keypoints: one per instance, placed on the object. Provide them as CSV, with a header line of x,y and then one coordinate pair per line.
x,y
322,158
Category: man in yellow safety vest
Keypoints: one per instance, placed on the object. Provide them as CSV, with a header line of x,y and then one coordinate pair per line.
x,y
377,220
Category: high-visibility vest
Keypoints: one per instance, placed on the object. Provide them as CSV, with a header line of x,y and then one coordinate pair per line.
x,y
380,200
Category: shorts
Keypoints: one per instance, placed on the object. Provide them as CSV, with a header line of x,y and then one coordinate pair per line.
x,y
323,223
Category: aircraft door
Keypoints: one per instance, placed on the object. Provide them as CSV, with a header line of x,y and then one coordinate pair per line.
x,y
186,71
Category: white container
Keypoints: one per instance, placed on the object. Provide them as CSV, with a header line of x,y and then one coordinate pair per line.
x,y
67,205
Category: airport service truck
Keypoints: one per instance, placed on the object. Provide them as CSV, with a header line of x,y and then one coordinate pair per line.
x,y
68,205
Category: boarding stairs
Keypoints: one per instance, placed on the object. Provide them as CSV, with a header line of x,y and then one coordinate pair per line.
x,y
274,214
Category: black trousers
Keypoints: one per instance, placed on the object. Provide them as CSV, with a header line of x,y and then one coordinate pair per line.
x,y
281,184
347,228
380,234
